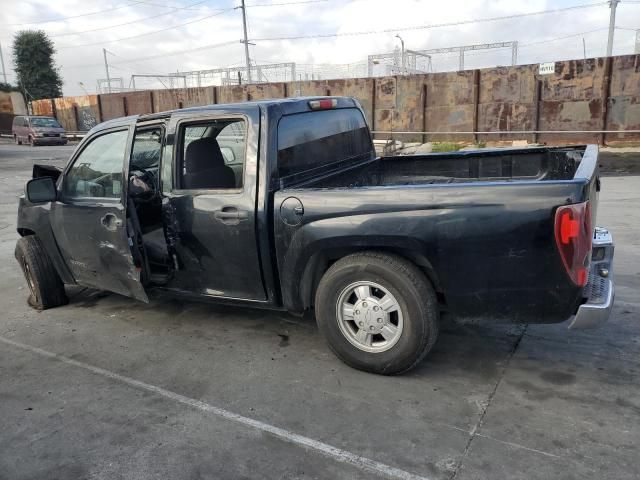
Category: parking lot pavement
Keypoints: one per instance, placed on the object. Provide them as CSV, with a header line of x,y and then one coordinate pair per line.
x,y
108,387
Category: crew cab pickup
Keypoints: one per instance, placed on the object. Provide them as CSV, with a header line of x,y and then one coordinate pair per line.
x,y
283,204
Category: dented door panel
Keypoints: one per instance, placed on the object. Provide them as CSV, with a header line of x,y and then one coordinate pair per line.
x,y
89,220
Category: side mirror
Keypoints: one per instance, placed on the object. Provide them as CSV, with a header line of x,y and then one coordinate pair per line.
x,y
41,190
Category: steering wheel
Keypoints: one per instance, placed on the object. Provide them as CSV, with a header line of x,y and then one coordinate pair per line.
x,y
148,178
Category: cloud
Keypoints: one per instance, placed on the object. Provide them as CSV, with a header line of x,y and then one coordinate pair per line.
x,y
342,17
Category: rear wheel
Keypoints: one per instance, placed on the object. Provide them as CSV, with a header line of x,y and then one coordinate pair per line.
x,y
378,312
45,286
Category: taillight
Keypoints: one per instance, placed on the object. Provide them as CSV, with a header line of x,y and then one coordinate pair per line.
x,y
325,104
573,238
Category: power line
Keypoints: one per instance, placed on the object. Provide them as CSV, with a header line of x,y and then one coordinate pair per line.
x,y
426,27
163,55
284,3
148,33
174,7
562,38
126,23
133,3
248,5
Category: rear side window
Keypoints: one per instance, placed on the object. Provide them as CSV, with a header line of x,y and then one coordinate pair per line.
x,y
212,154
315,139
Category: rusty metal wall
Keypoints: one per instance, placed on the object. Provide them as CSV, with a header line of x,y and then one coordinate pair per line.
x,y
361,89
12,103
623,107
232,94
591,94
573,99
42,107
88,113
116,105
450,105
506,101
264,91
6,112
175,98
65,113
80,113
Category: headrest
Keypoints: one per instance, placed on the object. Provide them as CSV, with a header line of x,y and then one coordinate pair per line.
x,y
203,154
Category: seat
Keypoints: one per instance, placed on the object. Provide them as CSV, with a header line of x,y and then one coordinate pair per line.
x,y
156,246
205,167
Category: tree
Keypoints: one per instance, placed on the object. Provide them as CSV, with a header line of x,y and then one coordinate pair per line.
x,y
38,76
7,87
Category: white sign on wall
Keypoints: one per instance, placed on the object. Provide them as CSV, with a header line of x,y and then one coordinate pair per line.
x,y
547,68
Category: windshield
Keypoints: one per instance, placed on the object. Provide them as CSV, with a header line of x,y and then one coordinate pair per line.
x,y
44,122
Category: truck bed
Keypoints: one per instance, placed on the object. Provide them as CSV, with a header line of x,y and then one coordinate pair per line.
x,y
538,163
481,223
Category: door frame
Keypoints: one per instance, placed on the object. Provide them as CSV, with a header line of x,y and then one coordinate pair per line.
x,y
169,174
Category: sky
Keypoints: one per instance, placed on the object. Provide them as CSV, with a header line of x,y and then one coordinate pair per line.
x,y
162,36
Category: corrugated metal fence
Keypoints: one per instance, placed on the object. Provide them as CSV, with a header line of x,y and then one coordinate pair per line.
x,y
585,97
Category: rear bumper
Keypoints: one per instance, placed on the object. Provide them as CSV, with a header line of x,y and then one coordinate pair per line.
x,y
600,289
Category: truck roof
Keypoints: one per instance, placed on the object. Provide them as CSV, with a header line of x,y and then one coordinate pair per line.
x,y
287,105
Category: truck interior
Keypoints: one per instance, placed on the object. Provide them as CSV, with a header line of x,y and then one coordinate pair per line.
x,y
144,206
210,157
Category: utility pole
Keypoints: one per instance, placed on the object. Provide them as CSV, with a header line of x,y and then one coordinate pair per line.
x,y
246,40
403,63
4,72
612,25
637,50
106,68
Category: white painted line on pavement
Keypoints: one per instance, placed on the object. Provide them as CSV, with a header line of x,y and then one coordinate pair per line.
x,y
321,447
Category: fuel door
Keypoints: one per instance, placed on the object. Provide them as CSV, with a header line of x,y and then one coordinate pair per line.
x,y
291,211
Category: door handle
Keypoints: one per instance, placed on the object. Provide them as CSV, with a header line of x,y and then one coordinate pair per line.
x,y
111,222
231,215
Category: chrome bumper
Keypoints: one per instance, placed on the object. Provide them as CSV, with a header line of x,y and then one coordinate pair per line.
x,y
600,290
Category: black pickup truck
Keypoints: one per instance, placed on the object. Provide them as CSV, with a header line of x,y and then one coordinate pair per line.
x,y
283,204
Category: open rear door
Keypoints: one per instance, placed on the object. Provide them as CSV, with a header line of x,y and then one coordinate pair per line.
x,y
89,219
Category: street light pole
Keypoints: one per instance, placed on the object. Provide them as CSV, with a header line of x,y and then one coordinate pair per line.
x,y
612,25
404,69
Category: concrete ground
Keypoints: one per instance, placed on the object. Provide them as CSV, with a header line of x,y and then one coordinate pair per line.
x,y
109,388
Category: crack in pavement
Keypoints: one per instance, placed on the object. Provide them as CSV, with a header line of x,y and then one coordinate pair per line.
x,y
473,433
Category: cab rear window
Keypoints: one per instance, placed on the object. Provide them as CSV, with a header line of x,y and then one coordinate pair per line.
x,y
315,139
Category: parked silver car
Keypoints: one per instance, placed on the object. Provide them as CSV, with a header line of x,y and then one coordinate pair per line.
x,y
38,130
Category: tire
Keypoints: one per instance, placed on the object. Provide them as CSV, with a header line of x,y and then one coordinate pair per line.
x,y
414,313
18,142
46,287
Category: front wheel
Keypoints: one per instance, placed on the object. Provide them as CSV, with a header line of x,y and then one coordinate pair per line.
x,y
45,286
378,312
